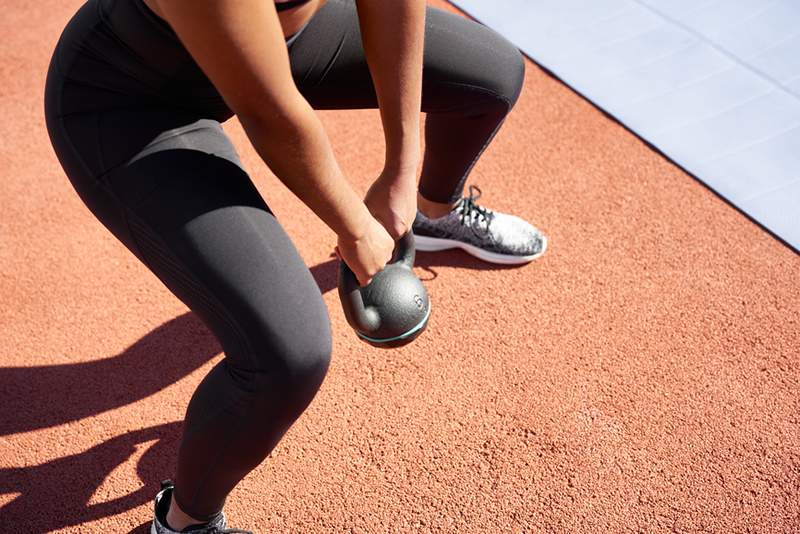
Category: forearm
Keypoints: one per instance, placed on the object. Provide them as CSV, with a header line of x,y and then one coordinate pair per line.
x,y
296,148
392,35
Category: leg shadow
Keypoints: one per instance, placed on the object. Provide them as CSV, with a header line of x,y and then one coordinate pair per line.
x,y
50,395
56,494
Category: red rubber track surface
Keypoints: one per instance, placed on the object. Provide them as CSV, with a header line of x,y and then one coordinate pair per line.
x,y
641,376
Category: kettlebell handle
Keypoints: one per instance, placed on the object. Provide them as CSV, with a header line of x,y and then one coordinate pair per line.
x,y
405,250
363,318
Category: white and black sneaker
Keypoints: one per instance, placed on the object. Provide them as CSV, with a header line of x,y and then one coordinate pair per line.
x,y
489,235
159,526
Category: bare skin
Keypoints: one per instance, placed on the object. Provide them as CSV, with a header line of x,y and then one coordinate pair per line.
x,y
240,45
291,19
433,210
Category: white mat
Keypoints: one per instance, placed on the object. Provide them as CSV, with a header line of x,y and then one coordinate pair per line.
x,y
713,84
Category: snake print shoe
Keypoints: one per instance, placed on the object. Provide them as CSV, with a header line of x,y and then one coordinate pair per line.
x,y
489,235
159,526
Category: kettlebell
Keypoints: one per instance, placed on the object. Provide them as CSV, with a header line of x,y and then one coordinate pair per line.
x,y
393,308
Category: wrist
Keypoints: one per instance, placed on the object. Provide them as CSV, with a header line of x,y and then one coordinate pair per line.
x,y
403,159
400,171
355,225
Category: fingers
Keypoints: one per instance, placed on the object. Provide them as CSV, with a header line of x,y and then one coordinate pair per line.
x,y
361,280
367,255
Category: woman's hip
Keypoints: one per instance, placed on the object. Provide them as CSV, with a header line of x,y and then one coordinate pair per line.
x,y
116,54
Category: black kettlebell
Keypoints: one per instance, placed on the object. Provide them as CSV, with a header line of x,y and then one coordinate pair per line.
x,y
393,309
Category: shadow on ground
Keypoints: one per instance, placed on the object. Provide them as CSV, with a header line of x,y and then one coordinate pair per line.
x,y
57,494
50,395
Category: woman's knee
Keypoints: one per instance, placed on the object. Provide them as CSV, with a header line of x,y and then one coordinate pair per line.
x,y
509,70
305,363
290,362
465,54
516,79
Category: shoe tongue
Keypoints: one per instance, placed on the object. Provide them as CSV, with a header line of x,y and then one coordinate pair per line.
x,y
474,216
459,209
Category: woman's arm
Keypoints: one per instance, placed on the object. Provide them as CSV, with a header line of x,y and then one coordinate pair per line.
x,y
240,47
392,33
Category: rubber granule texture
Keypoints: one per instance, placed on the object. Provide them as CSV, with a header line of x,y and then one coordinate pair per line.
x,y
641,376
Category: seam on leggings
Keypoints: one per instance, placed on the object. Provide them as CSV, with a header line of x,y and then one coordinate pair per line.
x,y
162,24
127,216
147,243
104,23
135,107
174,132
476,88
80,83
480,152
108,169
214,464
188,506
491,136
216,308
331,62
59,123
99,139
146,239
95,111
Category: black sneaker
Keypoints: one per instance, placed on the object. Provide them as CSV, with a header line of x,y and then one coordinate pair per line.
x,y
159,526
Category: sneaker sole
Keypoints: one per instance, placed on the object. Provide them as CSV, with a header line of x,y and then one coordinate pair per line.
x,y
433,244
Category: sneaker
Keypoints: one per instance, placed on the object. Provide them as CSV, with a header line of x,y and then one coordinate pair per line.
x,y
491,236
164,497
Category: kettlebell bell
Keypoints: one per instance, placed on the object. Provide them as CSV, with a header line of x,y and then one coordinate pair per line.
x,y
393,308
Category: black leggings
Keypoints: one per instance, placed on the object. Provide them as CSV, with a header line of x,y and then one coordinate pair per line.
x,y
136,127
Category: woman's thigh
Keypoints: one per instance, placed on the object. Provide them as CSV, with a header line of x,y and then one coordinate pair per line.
x,y
463,62
183,204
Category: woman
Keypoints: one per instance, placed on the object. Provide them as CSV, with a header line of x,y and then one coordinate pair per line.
x,y
135,94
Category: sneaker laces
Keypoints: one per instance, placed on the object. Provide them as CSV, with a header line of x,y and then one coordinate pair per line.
x,y
470,208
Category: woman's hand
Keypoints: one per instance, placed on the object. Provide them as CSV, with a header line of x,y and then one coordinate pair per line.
x,y
392,200
368,253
